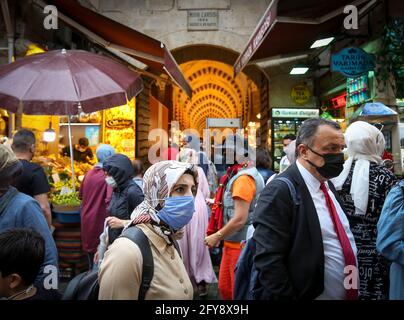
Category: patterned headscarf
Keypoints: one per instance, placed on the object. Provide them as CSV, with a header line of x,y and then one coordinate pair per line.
x,y
158,182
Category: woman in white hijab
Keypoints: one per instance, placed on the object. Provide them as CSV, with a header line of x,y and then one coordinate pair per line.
x,y
363,186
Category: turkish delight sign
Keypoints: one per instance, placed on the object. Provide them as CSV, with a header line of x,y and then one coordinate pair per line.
x,y
352,62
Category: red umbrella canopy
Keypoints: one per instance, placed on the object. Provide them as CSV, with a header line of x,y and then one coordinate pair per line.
x,y
57,82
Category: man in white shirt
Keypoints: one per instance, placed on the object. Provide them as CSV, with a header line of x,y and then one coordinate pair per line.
x,y
306,252
285,162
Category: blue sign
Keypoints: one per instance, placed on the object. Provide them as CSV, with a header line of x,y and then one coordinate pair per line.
x,y
352,62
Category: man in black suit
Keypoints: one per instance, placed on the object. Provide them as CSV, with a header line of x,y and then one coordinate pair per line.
x,y
306,253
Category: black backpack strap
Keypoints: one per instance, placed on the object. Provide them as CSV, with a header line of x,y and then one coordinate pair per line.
x,y
292,190
137,236
177,247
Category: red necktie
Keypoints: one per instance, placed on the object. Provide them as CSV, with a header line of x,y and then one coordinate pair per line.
x,y
349,256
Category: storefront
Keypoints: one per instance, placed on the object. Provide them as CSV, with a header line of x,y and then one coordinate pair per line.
x,y
286,121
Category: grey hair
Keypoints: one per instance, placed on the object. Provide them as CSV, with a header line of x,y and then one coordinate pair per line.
x,y
308,130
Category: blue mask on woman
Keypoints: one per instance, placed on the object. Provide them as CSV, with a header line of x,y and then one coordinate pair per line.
x,y
177,211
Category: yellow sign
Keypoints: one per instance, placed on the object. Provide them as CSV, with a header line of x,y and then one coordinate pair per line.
x,y
300,94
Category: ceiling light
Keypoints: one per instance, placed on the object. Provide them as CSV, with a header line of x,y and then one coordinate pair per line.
x,y
321,42
299,70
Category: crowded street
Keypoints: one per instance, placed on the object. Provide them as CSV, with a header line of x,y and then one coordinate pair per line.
x,y
214,151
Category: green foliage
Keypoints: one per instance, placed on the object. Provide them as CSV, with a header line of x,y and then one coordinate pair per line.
x,y
390,58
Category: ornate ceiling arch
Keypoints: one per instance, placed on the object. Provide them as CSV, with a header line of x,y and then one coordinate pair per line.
x,y
216,94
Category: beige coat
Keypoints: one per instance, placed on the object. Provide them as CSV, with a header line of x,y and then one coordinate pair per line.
x,y
121,271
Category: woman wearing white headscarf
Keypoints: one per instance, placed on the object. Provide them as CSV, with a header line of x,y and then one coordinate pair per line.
x,y
363,186
195,254
169,188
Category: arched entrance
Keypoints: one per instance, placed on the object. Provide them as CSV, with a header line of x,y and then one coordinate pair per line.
x,y
216,92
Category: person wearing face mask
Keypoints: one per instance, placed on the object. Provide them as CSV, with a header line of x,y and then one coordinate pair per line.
x,y
235,200
169,188
96,196
302,252
363,186
18,210
33,181
81,151
126,195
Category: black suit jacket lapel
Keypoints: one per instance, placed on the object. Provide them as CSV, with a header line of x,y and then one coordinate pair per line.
x,y
307,207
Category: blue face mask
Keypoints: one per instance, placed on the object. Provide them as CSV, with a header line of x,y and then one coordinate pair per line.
x,y
177,211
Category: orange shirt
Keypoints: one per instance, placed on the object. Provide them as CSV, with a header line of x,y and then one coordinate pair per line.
x,y
244,188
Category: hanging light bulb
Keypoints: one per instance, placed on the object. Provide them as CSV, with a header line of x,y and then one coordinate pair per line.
x,y
49,134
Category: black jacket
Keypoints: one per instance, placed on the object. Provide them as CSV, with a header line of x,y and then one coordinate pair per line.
x,y
289,245
127,196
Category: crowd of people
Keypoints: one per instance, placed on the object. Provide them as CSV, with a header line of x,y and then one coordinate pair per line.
x,y
328,226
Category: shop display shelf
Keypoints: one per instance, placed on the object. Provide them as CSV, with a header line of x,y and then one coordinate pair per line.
x,y
81,124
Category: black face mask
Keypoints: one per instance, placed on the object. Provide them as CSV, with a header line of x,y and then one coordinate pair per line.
x,y
333,164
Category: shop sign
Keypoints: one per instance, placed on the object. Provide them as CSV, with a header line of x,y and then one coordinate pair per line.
x,y
352,62
300,94
339,102
295,113
119,123
266,23
203,20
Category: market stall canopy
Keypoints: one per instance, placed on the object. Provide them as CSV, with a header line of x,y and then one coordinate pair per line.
x,y
57,82
119,37
290,26
375,109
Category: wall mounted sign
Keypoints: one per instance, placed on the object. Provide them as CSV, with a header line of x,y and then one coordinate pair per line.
x,y
352,62
339,101
295,113
203,20
265,26
300,94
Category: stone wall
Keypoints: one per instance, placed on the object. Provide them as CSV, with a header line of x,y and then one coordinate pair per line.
x,y
166,20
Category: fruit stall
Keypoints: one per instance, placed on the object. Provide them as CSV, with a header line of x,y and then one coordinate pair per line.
x,y
115,126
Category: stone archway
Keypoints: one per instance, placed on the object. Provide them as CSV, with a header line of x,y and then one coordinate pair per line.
x,y
216,92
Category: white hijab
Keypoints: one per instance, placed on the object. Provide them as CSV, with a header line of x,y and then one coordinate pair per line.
x,y
365,144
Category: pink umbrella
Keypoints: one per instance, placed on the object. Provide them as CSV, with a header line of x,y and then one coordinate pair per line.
x,y
60,82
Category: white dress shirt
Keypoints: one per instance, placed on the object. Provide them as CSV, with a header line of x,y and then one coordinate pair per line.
x,y
334,262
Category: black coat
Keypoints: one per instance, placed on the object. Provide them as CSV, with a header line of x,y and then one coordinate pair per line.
x,y
289,245
127,196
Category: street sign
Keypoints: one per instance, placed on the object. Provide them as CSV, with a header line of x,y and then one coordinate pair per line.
x,y
352,62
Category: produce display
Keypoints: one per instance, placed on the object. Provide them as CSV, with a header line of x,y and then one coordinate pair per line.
x,y
59,175
71,199
62,193
62,166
